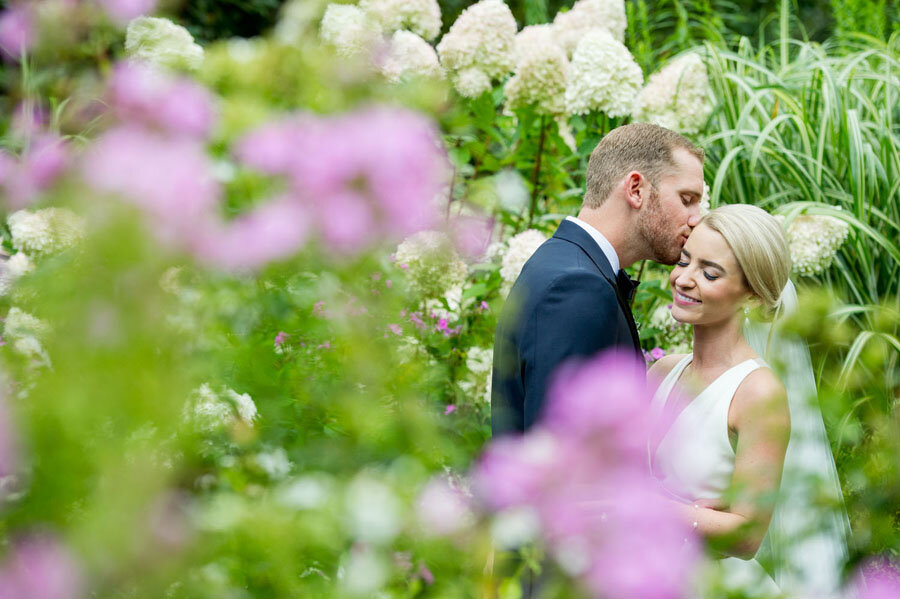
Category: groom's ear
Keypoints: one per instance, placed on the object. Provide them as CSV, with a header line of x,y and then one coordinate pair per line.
x,y
636,188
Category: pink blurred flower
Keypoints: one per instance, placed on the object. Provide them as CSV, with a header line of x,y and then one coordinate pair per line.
x,y
28,120
395,329
583,471
122,11
449,410
280,338
416,319
17,31
441,509
604,400
442,324
471,235
484,305
425,574
39,567
389,284
657,352
143,93
366,175
272,231
40,165
170,179
877,578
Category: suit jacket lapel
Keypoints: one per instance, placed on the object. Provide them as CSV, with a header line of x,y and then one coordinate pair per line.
x,y
572,233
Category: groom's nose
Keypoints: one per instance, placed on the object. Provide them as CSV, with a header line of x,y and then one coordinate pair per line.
x,y
694,216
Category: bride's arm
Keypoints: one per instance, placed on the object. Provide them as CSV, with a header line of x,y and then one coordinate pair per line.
x,y
760,416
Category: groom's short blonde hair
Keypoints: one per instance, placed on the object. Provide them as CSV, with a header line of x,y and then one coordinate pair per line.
x,y
760,247
640,147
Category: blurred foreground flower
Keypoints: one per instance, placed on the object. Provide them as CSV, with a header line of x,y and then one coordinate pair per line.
x,y
585,15
123,11
42,162
163,43
676,97
39,567
17,33
479,47
877,579
603,76
582,473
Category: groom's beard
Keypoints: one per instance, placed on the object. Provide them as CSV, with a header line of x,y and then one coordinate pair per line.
x,y
664,243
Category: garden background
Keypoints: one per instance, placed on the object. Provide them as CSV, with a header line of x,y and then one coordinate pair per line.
x,y
252,273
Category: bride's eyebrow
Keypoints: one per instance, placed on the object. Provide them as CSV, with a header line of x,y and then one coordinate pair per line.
x,y
705,262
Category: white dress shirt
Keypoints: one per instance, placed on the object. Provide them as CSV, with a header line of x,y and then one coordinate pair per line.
x,y
608,250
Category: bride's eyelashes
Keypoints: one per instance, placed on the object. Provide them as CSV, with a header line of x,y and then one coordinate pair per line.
x,y
683,263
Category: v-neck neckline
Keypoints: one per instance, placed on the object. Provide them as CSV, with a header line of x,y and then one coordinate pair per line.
x,y
662,415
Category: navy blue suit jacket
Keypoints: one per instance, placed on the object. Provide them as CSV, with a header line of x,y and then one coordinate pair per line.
x,y
565,304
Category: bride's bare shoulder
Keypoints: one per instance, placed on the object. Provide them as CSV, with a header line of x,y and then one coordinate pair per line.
x,y
662,367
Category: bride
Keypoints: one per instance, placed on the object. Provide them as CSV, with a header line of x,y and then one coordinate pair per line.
x,y
742,450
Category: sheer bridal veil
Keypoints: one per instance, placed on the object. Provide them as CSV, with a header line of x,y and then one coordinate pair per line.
x,y
806,544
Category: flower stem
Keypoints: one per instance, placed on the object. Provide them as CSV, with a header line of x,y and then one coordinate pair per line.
x,y
537,170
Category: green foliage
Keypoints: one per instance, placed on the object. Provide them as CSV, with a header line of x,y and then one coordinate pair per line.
x,y
209,20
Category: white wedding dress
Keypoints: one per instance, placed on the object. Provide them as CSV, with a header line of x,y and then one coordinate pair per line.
x,y
695,460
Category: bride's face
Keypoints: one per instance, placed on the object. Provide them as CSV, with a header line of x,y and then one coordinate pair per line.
x,y
707,284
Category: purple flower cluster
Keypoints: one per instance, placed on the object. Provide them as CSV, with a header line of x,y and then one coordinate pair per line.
x,y
363,176
40,567
583,472
352,179
41,163
17,30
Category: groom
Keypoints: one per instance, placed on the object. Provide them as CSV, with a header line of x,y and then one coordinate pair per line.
x,y
572,299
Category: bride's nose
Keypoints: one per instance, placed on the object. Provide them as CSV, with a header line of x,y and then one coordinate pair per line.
x,y
684,279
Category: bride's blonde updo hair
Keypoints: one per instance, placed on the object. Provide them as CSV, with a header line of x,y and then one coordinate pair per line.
x,y
760,247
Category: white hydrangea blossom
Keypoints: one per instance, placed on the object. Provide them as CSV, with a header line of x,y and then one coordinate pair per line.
x,y
348,29
294,22
603,76
19,323
479,360
211,411
13,268
422,17
431,263
244,405
519,249
274,463
541,73
676,97
814,241
374,513
479,47
704,200
570,26
45,231
161,42
24,331
449,306
410,56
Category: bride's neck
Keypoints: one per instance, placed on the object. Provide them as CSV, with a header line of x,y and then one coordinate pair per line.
x,y
719,344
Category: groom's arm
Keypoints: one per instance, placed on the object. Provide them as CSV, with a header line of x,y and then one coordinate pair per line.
x,y
576,317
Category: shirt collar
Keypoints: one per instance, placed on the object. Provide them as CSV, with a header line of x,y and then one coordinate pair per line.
x,y
608,250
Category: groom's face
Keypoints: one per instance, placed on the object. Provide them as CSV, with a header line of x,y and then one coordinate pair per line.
x,y
673,209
